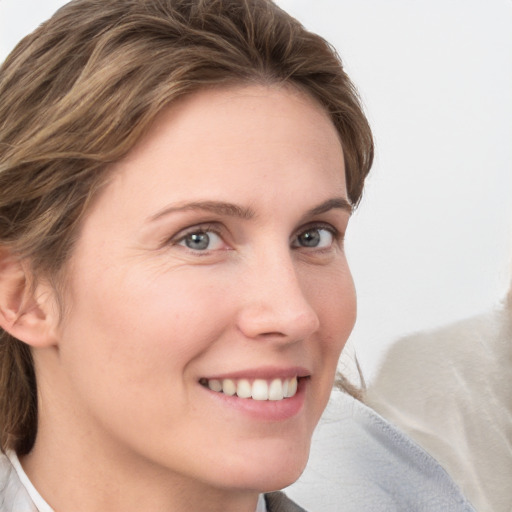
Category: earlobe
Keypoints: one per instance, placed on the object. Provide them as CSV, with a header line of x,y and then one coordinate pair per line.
x,y
27,312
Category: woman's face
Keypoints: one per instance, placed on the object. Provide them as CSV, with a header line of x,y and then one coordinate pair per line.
x,y
213,261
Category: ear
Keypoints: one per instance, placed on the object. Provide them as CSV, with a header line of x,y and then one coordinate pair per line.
x,y
27,312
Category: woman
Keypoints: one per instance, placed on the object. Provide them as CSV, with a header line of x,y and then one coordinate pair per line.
x,y
176,178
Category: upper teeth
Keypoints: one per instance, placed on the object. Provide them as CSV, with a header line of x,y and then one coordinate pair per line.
x,y
259,389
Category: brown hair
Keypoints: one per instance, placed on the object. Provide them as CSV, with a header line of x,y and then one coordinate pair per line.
x,y
77,94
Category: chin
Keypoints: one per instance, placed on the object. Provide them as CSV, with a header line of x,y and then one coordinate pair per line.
x,y
275,471
277,482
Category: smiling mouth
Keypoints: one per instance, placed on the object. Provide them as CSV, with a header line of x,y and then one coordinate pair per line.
x,y
257,389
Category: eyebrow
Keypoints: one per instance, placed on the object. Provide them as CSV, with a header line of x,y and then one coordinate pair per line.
x,y
219,207
233,210
331,204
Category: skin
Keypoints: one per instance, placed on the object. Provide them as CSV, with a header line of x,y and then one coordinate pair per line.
x,y
124,420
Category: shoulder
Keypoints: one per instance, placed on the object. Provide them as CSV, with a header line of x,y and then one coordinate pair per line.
x,y
360,460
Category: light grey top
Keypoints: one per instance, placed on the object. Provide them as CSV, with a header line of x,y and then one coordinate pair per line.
x,y
17,494
361,462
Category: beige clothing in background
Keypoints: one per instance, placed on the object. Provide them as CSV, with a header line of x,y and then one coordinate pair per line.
x,y
451,391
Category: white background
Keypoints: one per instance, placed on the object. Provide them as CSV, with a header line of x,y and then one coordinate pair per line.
x,y
432,240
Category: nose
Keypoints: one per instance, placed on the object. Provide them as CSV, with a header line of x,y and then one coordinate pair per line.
x,y
274,305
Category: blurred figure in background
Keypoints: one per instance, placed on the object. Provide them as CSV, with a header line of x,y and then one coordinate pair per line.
x,y
450,390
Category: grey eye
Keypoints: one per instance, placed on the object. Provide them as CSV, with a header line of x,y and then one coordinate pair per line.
x,y
202,241
315,237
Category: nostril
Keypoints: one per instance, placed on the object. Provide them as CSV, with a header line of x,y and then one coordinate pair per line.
x,y
271,334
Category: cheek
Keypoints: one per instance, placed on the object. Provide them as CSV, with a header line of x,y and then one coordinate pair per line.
x,y
130,342
156,318
335,302
343,310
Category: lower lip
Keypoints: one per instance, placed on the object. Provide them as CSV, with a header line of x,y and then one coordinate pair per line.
x,y
265,410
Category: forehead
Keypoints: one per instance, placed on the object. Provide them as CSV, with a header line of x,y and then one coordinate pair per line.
x,y
203,112
237,118
211,144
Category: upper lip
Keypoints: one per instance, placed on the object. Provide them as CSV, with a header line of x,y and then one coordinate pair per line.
x,y
267,373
